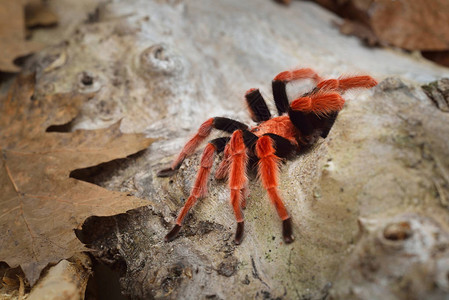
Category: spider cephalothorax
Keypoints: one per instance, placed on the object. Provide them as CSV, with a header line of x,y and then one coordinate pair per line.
x,y
299,124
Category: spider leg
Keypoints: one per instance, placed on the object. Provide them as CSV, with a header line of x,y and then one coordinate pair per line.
x,y
268,171
341,85
322,102
199,188
345,83
280,81
327,123
220,143
219,123
282,145
315,114
237,179
222,171
317,111
257,106
304,73
249,139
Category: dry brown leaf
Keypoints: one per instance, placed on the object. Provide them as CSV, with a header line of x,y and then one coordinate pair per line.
x,y
12,35
411,25
359,30
40,204
38,14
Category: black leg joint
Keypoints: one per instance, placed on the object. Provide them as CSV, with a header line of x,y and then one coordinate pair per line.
x,y
249,139
304,122
328,123
309,124
280,96
220,143
167,172
173,233
284,148
239,233
257,106
228,125
287,231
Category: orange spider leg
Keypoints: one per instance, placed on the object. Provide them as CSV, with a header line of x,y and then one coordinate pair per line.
x,y
237,179
343,84
189,148
199,188
223,170
319,103
219,123
305,73
279,86
268,172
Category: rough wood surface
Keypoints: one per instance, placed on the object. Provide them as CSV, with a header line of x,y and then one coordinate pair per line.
x,y
165,66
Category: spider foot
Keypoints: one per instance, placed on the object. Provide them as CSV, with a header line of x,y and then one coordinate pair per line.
x,y
173,233
239,233
167,172
287,231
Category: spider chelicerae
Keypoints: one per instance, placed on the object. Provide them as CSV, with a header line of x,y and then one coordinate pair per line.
x,y
299,124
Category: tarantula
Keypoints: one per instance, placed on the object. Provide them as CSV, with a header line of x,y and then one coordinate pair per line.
x,y
298,125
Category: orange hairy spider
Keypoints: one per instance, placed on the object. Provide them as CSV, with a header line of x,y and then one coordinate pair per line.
x,y
299,124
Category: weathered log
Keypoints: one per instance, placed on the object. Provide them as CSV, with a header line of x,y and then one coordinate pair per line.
x,y
163,67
